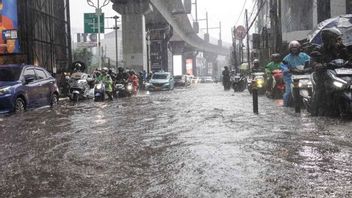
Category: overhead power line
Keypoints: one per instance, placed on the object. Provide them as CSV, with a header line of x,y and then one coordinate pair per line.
x,y
239,17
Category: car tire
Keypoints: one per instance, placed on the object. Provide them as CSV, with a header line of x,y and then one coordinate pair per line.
x,y
54,100
20,105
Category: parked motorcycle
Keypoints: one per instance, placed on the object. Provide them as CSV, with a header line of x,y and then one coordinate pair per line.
x,y
239,82
276,85
257,79
99,91
338,88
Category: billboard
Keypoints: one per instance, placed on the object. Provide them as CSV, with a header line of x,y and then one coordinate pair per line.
x,y
9,43
177,63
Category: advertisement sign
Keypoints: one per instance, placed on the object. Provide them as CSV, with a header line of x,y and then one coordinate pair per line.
x,y
177,63
9,43
86,40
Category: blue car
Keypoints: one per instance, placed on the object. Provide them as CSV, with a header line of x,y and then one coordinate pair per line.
x,y
26,86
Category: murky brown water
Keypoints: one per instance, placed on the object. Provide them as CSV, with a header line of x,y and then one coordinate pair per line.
x,y
198,142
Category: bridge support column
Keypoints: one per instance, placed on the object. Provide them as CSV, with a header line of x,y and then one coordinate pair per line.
x,y
133,32
211,64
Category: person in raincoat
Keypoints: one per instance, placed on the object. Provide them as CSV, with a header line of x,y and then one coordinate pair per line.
x,y
290,62
331,49
106,79
275,64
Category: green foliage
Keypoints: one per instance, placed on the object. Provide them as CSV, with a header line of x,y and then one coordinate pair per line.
x,y
84,55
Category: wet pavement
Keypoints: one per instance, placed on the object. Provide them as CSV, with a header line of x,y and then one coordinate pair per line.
x,y
196,142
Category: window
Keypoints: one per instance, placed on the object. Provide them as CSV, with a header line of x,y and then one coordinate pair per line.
x,y
40,74
9,73
29,73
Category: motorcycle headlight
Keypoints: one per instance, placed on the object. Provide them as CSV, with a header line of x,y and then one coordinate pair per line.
x,y
260,83
304,83
98,86
4,91
129,87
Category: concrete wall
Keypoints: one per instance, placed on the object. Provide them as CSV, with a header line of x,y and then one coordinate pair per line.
x,y
338,7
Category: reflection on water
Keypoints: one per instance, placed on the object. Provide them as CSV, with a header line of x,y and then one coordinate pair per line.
x,y
196,142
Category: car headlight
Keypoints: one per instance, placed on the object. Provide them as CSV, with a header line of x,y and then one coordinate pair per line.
x,y
4,91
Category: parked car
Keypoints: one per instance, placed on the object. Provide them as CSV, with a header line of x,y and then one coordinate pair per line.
x,y
26,86
161,81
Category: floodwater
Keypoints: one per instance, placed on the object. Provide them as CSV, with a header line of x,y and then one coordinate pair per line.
x,y
195,142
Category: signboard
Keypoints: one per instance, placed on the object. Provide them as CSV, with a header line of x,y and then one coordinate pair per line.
x,y
86,40
9,43
91,23
241,32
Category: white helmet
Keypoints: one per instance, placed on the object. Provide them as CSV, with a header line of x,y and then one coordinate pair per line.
x,y
294,44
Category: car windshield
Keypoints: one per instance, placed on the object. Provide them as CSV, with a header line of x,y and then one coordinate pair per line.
x,y
178,77
160,76
10,73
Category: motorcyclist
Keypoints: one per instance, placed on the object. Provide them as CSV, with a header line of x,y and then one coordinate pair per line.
x,y
226,78
256,67
106,79
121,76
270,67
290,62
331,49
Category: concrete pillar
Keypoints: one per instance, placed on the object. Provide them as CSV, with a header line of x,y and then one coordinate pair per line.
x,y
133,32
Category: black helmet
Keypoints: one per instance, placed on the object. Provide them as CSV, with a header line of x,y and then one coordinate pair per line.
x,y
120,69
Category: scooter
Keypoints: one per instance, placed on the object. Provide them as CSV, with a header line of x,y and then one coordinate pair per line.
x,y
276,84
124,89
239,83
99,92
301,75
259,80
338,88
79,86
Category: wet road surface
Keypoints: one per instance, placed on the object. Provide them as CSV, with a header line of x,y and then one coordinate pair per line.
x,y
196,142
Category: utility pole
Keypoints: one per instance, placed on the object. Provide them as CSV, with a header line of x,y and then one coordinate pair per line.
x,y
116,28
98,12
248,50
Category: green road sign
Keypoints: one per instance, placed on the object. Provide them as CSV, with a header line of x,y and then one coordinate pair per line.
x,y
91,23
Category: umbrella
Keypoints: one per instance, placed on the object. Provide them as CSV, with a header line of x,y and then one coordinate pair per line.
x,y
342,22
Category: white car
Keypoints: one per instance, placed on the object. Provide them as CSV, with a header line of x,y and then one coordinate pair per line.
x,y
161,81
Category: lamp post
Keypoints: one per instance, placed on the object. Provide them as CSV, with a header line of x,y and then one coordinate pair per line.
x,y
98,12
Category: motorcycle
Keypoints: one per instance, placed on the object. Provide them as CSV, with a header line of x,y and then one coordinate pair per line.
x,y
338,88
239,83
276,84
124,89
301,75
257,80
79,86
99,91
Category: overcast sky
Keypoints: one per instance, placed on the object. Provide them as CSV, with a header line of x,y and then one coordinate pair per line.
x,y
226,11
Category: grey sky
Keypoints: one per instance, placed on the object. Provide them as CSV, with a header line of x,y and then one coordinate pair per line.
x,y
226,11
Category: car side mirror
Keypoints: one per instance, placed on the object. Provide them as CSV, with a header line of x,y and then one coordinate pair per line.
x,y
28,79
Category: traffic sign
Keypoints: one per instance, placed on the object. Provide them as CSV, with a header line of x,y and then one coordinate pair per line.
x,y
91,23
241,32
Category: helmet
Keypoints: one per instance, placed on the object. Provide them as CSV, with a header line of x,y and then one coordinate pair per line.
x,y
294,44
120,69
105,69
256,61
276,55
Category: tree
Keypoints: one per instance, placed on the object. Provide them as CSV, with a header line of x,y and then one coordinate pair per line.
x,y
84,55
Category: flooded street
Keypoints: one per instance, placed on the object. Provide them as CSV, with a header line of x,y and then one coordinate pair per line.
x,y
196,142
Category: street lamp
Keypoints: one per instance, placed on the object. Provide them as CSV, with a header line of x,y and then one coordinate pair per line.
x,y
98,12
116,39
